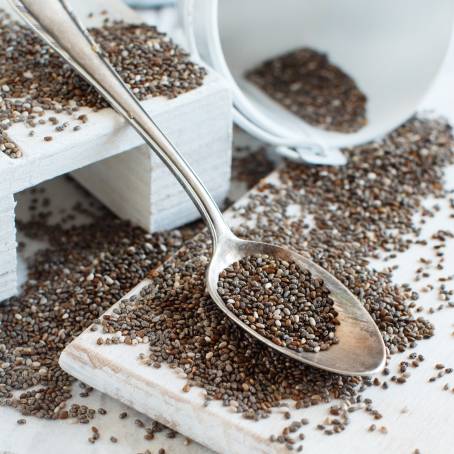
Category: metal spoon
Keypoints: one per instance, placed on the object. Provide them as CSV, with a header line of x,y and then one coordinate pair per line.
x,y
360,350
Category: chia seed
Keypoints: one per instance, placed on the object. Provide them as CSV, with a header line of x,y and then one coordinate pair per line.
x,y
177,319
187,332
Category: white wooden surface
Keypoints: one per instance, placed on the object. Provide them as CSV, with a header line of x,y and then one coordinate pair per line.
x,y
426,425
151,197
417,415
104,135
428,408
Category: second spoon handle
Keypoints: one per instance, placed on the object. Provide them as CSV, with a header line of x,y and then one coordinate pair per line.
x,y
54,21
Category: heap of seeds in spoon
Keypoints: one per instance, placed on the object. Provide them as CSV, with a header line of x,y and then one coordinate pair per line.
x,y
306,83
281,302
35,83
347,216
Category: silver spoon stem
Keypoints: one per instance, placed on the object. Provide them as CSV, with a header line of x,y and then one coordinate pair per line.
x,y
54,21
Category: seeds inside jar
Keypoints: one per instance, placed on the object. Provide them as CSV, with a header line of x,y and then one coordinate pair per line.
x,y
309,85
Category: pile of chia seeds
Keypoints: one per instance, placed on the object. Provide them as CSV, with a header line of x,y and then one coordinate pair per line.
x,y
280,301
85,270
306,83
343,217
36,84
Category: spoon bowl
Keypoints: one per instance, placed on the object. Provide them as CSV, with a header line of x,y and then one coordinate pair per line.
x,y
360,350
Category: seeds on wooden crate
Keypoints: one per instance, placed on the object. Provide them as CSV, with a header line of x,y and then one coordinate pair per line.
x,y
305,82
281,301
357,213
35,80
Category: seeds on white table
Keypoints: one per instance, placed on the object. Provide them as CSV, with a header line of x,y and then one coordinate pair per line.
x,y
355,218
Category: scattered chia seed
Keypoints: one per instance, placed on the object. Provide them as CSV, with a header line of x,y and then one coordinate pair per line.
x,y
197,339
73,265
249,166
374,214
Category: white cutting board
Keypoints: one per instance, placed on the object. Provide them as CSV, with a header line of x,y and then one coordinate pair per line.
x,y
157,392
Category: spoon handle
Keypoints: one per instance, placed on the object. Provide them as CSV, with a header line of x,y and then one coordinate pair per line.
x,y
54,21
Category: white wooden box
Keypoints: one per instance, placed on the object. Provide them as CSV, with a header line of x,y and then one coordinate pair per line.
x,y
108,157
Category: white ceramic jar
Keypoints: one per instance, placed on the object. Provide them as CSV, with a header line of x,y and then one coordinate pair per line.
x,y
393,49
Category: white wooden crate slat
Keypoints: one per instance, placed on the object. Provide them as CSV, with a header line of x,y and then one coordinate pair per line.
x,y
7,246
